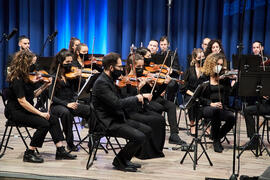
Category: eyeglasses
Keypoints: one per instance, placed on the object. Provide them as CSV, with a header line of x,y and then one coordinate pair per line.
x,y
120,67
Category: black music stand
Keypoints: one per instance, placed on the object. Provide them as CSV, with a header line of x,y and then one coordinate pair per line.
x,y
194,101
255,84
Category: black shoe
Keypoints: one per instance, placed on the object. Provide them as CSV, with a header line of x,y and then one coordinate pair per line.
x,y
250,146
217,147
31,156
175,139
72,148
61,153
135,165
122,167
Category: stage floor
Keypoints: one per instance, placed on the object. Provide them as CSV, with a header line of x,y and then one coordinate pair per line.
x,y
168,167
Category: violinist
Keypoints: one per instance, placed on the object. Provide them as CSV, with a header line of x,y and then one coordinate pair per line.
x,y
110,109
173,86
21,110
191,81
159,104
153,147
146,53
65,105
73,44
80,55
215,100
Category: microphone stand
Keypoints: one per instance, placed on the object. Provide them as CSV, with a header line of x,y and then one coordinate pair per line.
x,y
43,47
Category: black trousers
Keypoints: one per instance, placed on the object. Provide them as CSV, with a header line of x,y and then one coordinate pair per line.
x,y
217,115
192,111
42,125
171,90
67,116
136,132
153,147
160,104
249,112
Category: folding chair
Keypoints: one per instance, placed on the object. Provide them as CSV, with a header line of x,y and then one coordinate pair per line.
x,y
9,125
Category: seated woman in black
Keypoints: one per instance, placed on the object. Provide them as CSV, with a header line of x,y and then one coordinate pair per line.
x,y
20,108
65,105
153,147
214,99
191,79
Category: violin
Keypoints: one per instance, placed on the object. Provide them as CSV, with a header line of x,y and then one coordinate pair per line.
x,y
75,72
94,60
41,75
156,68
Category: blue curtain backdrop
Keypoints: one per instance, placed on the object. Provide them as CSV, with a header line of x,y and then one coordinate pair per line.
x,y
116,24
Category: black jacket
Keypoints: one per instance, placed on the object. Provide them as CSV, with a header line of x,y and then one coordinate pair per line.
x,y
108,104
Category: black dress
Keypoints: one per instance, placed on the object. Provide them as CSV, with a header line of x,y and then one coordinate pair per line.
x,y
153,147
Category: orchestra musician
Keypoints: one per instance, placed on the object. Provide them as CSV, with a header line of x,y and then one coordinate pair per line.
x,y
205,43
110,109
65,105
173,86
153,147
214,46
21,110
73,44
214,99
80,55
191,81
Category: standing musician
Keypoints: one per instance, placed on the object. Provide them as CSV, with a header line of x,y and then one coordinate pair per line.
x,y
21,110
191,79
153,147
214,99
110,109
65,105
73,44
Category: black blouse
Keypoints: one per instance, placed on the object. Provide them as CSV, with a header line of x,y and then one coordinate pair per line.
x,y
191,80
19,89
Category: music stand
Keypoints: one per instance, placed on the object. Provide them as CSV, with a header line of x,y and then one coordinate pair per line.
x,y
194,101
255,84
246,62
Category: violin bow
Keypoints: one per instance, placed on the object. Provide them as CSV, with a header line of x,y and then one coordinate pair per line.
x,y
54,84
159,73
172,60
92,57
261,51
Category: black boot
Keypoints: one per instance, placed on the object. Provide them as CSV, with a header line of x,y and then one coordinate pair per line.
x,y
217,146
30,156
61,153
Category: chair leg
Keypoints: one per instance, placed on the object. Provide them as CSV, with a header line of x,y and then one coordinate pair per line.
x,y
22,137
268,139
29,135
109,142
185,113
3,139
94,147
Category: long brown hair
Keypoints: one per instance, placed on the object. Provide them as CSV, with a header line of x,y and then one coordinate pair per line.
x,y
19,67
211,62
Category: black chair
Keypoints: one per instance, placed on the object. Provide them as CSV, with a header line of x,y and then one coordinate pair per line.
x,y
9,126
96,132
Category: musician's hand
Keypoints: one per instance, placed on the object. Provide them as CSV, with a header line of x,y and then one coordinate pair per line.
x,y
72,105
266,97
167,80
45,115
216,104
49,83
95,71
148,96
140,98
163,93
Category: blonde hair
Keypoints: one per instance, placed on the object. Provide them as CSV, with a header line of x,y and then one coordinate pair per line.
x,y
211,62
194,55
